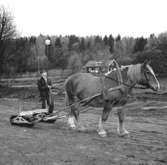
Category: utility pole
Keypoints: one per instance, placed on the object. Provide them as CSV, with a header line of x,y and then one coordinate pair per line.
x,y
38,63
47,46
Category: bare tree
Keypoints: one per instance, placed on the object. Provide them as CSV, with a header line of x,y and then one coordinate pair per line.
x,y
7,27
7,32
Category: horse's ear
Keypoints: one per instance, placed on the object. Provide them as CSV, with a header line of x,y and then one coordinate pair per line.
x,y
146,62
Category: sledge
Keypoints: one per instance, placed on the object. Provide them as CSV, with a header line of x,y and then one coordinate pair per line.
x,y
29,118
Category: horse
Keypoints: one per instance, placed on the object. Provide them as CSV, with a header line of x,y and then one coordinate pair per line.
x,y
113,91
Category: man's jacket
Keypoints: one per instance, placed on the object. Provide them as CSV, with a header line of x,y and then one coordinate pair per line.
x,y
43,87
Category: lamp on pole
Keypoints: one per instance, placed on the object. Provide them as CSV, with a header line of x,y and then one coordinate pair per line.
x,y
47,47
47,44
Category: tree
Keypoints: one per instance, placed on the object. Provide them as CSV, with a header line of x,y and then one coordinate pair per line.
x,y
156,51
7,32
118,38
98,40
58,43
17,55
7,28
75,63
140,44
111,43
162,42
72,41
82,44
105,40
152,42
22,52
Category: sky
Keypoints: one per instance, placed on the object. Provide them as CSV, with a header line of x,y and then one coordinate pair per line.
x,y
134,18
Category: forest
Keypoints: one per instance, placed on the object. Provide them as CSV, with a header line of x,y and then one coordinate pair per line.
x,y
31,54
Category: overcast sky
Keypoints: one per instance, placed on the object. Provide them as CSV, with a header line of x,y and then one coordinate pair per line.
x,y
89,17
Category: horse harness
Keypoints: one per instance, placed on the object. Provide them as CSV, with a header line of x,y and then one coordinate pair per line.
x,y
106,91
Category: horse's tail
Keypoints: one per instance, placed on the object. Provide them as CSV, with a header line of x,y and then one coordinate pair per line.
x,y
69,97
68,91
66,99
67,103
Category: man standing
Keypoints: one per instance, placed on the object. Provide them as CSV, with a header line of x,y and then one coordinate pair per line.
x,y
44,86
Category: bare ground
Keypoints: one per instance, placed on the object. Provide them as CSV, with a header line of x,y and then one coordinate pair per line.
x,y
57,144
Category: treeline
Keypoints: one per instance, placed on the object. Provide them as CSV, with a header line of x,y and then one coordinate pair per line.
x,y
29,54
72,52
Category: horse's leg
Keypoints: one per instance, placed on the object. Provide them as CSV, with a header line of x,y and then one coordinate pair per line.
x,y
75,112
70,101
121,129
103,118
71,118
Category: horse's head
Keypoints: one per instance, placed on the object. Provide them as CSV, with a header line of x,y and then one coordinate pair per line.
x,y
148,77
144,75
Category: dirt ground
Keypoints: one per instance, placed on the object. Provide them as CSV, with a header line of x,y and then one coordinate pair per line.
x,y
57,144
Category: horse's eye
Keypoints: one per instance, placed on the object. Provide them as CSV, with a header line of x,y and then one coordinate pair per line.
x,y
147,71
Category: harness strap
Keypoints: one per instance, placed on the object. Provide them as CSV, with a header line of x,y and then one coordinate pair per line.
x,y
106,91
119,75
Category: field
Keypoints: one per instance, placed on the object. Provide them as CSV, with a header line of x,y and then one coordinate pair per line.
x,y
57,144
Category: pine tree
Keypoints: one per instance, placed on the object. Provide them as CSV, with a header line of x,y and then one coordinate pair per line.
x,y
82,44
111,43
58,43
140,44
106,40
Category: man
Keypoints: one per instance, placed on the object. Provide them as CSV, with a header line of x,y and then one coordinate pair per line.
x,y
44,86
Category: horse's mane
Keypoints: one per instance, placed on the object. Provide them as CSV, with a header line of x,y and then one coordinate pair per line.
x,y
134,72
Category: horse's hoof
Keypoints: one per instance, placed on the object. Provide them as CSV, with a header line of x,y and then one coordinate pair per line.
x,y
71,123
123,133
102,133
73,127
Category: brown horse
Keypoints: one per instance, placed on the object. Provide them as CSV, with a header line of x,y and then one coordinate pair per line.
x,y
113,92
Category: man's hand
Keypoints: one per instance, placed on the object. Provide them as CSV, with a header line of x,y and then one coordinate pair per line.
x,y
49,86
